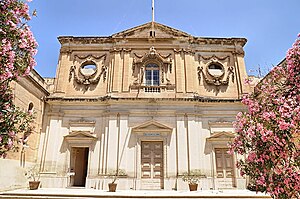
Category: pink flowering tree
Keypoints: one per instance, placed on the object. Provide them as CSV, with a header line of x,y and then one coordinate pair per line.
x,y
268,134
17,51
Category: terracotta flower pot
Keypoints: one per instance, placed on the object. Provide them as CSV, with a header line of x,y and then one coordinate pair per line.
x,y
33,185
193,187
112,187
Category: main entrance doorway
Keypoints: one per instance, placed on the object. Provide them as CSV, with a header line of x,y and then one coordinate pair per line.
x,y
152,165
79,163
225,168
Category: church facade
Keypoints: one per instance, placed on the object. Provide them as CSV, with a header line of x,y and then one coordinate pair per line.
x,y
144,105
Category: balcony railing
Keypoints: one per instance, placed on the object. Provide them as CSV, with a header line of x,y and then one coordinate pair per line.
x,y
153,89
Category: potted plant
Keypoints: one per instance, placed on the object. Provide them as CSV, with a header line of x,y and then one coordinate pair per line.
x,y
193,178
33,176
113,186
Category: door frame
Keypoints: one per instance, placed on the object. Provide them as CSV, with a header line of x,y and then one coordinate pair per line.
x,y
79,139
150,130
138,172
86,153
152,172
234,178
220,140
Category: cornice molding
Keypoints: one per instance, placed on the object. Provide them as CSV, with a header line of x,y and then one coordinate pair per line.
x,y
109,98
218,41
83,40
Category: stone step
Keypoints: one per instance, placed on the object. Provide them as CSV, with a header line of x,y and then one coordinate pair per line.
x,y
92,193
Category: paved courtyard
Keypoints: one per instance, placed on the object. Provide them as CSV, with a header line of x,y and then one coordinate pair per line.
x,y
73,193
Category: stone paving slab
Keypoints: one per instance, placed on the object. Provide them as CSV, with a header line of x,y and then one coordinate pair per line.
x,y
92,193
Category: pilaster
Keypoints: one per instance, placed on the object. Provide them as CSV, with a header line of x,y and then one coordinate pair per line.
x,y
179,70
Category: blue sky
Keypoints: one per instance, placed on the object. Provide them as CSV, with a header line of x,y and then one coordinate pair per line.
x,y
271,26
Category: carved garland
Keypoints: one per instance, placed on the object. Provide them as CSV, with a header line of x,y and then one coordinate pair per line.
x,y
216,80
214,57
88,79
89,57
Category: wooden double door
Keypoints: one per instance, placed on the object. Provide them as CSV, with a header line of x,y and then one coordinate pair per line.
x,y
224,168
152,165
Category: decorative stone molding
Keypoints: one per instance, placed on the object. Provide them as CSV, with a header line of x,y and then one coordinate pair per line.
x,y
221,77
216,80
88,57
188,51
221,137
80,139
115,50
178,50
148,26
220,123
87,79
66,40
218,41
239,50
120,50
127,50
152,126
82,125
82,122
165,56
214,57
140,62
156,89
184,50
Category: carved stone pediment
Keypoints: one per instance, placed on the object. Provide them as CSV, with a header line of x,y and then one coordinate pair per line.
x,y
152,126
221,137
80,135
81,139
142,31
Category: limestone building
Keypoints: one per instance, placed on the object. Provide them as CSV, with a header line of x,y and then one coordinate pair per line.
x,y
150,102
146,105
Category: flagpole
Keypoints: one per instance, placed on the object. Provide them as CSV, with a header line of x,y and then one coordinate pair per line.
x,y
152,10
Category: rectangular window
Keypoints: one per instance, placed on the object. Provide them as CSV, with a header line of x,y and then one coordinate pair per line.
x,y
148,77
155,77
152,77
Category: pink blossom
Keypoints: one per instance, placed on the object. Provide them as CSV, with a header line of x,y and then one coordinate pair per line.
x,y
11,133
283,125
268,135
266,116
252,156
16,51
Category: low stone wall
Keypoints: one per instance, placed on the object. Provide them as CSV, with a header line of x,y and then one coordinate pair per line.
x,y
12,175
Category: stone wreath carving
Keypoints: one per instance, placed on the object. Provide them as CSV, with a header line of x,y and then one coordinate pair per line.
x,y
214,58
88,76
140,62
216,79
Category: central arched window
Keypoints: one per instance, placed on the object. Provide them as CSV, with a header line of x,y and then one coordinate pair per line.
x,y
152,75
